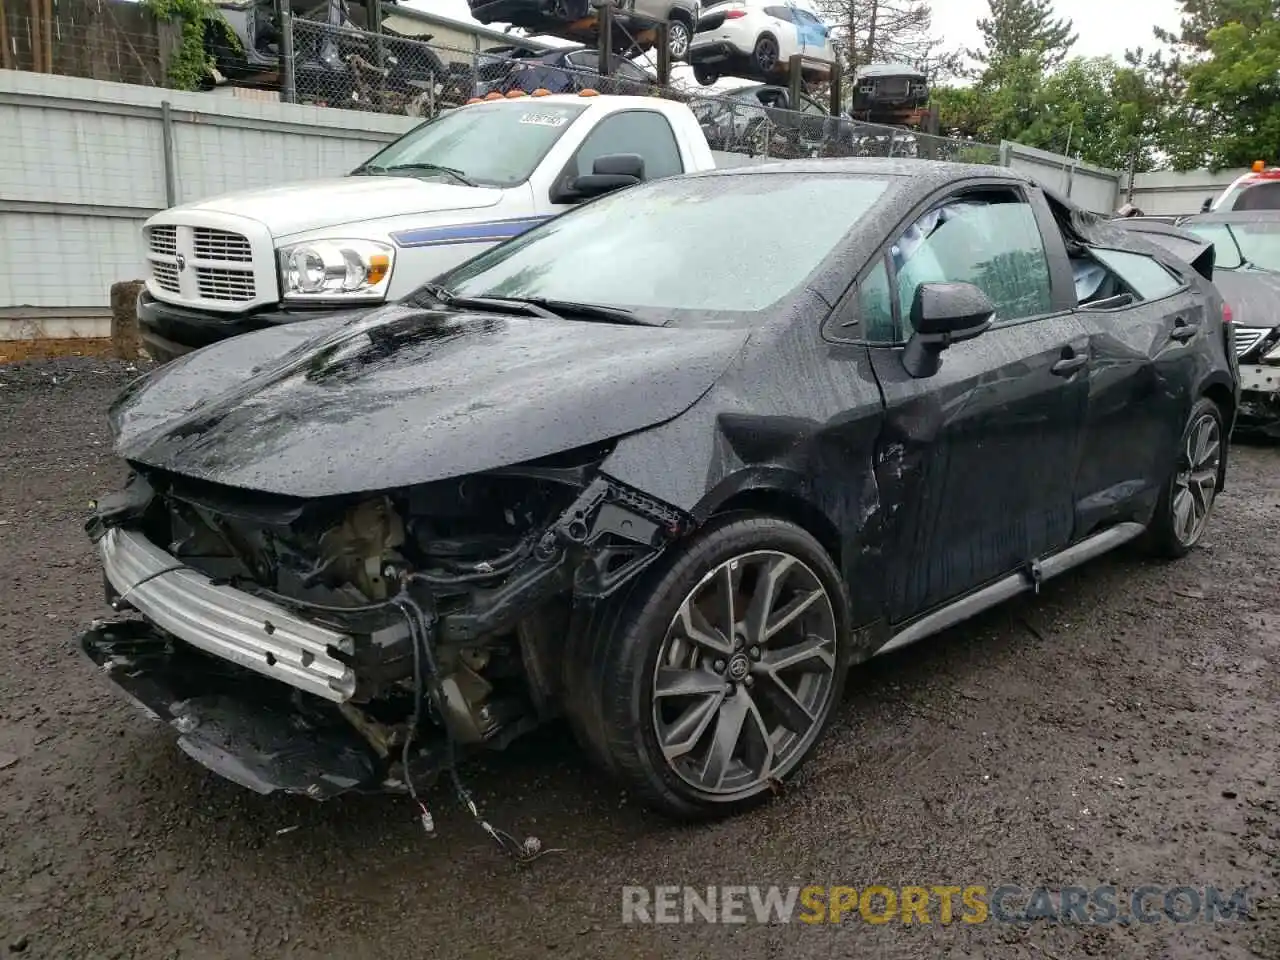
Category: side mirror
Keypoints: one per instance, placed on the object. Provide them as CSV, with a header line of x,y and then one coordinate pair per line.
x,y
1207,206
943,314
613,171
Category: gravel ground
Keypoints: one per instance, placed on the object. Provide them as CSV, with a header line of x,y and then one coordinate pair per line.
x,y
1121,728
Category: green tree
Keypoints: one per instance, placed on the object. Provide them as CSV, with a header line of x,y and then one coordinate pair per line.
x,y
1021,28
1223,78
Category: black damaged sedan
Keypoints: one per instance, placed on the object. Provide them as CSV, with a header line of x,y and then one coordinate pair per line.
x,y
648,469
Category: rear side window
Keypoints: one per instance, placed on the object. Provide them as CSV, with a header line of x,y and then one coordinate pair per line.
x,y
1145,276
779,13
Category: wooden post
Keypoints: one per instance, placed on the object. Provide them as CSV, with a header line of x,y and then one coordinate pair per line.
x,y
37,37
125,338
48,36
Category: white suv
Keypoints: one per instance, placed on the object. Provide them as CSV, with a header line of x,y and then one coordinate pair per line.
x,y
757,38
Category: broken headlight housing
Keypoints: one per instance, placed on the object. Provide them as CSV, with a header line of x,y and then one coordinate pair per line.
x,y
318,271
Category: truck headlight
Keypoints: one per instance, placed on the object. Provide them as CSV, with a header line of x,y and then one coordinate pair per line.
x,y
321,270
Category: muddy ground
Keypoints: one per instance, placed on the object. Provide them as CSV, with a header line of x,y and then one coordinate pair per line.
x,y
1121,728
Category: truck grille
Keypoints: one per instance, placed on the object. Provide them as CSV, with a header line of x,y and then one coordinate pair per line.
x,y
166,276
1249,337
221,245
216,283
203,265
164,241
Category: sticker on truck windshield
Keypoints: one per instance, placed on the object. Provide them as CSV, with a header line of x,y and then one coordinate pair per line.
x,y
544,119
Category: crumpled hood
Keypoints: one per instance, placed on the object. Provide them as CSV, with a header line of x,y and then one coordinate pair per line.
x,y
313,204
1253,295
405,395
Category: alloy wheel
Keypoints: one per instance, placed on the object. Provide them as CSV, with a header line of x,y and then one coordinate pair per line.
x,y
1196,483
678,39
746,674
766,54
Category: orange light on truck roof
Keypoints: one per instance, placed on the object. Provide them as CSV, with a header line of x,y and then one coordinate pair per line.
x,y
541,92
494,96
588,93
1259,166
515,94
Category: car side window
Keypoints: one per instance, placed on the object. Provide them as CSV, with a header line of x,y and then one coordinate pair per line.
x,y
875,305
990,240
1146,277
643,132
629,71
584,60
781,13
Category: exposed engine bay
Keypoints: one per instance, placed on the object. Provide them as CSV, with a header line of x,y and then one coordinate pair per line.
x,y
442,613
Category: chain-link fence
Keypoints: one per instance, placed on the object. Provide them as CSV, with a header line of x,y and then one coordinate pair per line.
x,y
386,73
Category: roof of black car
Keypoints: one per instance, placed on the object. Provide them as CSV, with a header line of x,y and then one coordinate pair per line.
x,y
932,170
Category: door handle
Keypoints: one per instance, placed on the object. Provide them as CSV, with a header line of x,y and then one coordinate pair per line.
x,y
1183,331
1068,365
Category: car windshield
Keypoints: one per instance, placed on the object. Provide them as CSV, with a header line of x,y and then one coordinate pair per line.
x,y
678,248
1242,245
497,144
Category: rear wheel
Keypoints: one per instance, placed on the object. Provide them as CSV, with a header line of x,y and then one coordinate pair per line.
x,y
765,55
719,673
705,75
1186,504
679,36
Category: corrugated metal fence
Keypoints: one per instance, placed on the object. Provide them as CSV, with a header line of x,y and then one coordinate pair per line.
x,y
84,162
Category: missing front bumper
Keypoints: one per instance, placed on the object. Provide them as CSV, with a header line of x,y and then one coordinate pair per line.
x,y
253,732
223,621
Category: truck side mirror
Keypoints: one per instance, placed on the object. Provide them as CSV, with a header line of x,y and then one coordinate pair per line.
x,y
613,171
943,314
1207,205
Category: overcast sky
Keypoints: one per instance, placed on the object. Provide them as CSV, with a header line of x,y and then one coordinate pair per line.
x,y
1105,26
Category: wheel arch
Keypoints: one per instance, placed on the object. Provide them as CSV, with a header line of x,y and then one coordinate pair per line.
x,y
776,494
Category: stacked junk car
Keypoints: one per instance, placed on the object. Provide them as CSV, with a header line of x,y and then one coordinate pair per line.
x,y
353,550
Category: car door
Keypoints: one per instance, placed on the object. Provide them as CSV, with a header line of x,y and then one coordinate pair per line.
x,y
976,463
1146,324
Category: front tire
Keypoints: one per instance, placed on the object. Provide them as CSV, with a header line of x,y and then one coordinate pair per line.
x,y
1186,503
719,672
705,75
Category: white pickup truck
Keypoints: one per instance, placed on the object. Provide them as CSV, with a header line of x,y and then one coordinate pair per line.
x,y
442,193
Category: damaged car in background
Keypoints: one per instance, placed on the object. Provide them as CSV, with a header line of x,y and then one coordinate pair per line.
x,y
1247,272
673,505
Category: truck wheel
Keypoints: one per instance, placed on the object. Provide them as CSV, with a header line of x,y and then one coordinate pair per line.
x,y
719,671
1185,505
705,75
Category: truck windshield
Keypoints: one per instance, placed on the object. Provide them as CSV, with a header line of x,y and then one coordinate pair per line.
x,y
496,145
678,250
1243,245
